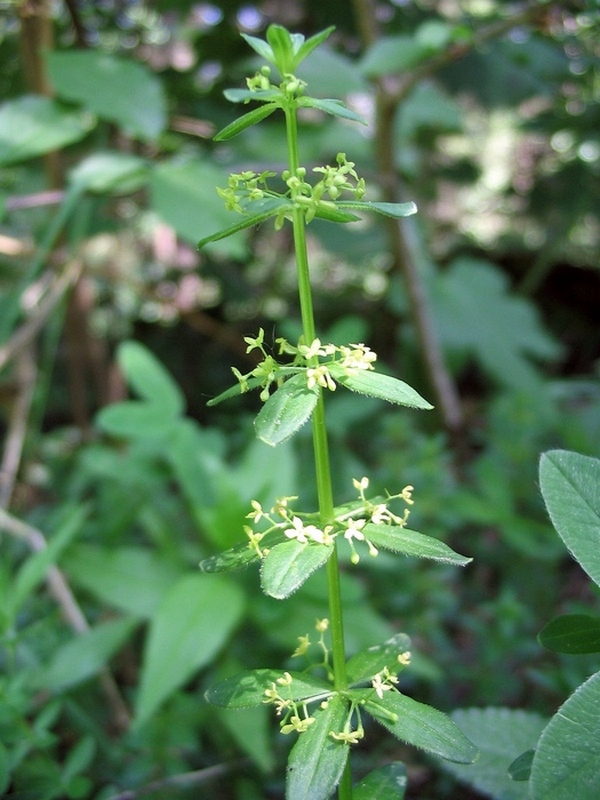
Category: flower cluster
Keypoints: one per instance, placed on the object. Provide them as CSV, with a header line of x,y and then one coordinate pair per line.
x,y
351,523
296,716
347,359
247,186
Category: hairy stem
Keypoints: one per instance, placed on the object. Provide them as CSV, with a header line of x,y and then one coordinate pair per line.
x,y
320,444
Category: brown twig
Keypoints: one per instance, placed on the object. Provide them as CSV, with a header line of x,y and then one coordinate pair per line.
x,y
25,373
446,394
24,335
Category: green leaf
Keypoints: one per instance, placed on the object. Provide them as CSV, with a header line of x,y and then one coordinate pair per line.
x,y
571,633
245,121
365,665
331,213
317,761
149,379
306,47
134,419
116,89
6,764
287,566
31,126
282,48
244,95
259,46
334,107
248,688
384,387
501,734
475,313
79,758
114,172
520,768
567,755
182,196
384,783
394,210
235,391
133,579
393,54
192,624
570,486
286,410
86,654
232,559
419,724
247,222
412,543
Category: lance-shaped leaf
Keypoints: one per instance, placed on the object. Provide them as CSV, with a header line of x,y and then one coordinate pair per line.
x,y
244,95
235,391
412,543
286,410
331,213
247,689
383,387
317,760
260,46
282,47
334,107
245,121
306,47
246,222
571,633
384,783
395,210
229,560
365,665
418,724
288,565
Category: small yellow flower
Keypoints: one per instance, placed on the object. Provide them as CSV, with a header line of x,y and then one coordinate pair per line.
x,y
302,647
348,737
404,658
322,625
298,724
406,494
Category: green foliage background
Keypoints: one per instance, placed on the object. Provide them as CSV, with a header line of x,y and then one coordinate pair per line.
x,y
115,332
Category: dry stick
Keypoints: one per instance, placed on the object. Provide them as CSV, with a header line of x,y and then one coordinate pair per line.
x,y
184,780
447,398
26,374
61,591
391,91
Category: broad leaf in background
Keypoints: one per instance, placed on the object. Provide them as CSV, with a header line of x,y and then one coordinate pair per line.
x,y
184,195
565,764
193,622
476,314
570,485
86,654
501,734
149,379
110,171
132,579
31,126
122,91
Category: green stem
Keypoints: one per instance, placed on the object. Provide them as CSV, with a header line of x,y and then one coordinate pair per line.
x,y
320,443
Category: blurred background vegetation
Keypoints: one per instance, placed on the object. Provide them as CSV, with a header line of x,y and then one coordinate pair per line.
x,y
486,115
